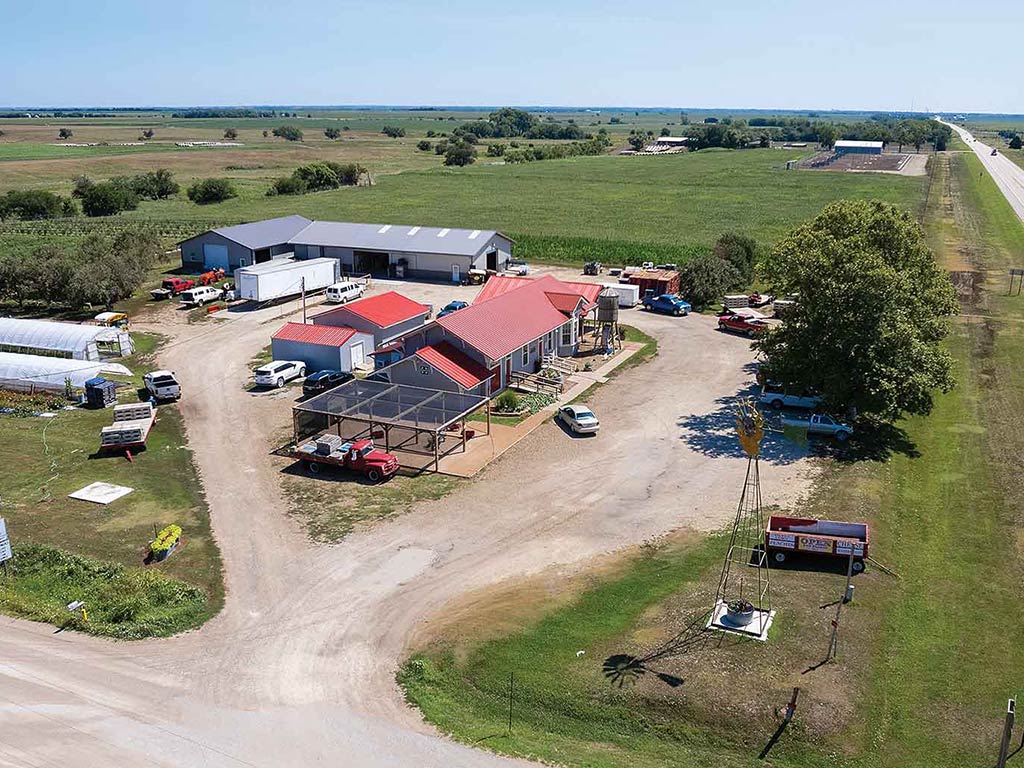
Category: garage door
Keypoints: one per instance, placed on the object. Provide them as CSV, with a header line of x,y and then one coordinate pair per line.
x,y
216,257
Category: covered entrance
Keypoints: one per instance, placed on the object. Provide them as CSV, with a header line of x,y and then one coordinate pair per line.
x,y
492,261
370,262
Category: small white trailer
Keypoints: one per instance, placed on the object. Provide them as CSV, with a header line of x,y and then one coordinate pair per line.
x,y
285,277
629,294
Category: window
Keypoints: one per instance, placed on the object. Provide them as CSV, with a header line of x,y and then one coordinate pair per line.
x,y
567,334
525,351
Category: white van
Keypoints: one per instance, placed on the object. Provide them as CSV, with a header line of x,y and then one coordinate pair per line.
x,y
198,296
339,293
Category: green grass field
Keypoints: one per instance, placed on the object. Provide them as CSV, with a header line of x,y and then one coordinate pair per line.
x,y
43,460
927,659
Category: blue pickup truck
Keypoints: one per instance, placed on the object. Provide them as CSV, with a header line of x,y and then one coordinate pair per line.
x,y
667,303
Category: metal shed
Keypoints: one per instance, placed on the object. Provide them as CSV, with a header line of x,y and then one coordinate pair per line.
x,y
409,419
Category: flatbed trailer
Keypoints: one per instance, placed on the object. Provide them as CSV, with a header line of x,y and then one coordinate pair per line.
x,y
131,427
786,537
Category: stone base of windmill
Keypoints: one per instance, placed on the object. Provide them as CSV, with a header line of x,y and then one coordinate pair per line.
x,y
755,626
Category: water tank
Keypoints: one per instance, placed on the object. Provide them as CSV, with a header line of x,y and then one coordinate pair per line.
x,y
608,306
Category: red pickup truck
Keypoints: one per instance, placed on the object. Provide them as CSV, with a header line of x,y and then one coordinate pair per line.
x,y
172,286
358,456
741,323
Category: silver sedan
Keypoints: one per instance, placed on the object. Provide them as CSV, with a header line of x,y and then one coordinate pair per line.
x,y
579,419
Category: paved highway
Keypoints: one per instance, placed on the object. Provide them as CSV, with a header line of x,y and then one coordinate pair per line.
x,y
1007,174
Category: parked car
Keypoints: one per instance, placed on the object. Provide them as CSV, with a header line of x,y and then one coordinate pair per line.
x,y
745,324
821,424
995,152
277,372
196,297
777,397
647,266
667,303
579,419
452,306
112,320
343,292
518,267
162,385
321,381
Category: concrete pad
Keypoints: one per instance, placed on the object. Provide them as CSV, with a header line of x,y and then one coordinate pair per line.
x,y
756,629
100,493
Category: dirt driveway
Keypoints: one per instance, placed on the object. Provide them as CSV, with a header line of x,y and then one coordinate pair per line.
x,y
298,669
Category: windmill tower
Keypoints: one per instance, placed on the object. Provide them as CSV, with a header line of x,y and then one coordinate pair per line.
x,y
743,601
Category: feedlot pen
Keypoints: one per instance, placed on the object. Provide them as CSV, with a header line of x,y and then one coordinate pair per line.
x,y
411,422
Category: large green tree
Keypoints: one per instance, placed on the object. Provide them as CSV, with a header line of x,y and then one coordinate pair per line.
x,y
867,330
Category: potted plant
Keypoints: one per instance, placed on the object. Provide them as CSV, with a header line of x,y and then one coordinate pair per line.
x,y
165,542
739,612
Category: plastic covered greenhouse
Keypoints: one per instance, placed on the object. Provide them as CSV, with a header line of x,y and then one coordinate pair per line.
x,y
32,373
62,340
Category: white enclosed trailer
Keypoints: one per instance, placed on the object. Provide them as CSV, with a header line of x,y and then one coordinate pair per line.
x,y
629,294
285,277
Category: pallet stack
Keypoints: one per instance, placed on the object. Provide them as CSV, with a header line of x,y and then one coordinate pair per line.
x,y
132,422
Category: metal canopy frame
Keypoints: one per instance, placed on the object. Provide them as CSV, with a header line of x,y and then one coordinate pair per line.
x,y
380,404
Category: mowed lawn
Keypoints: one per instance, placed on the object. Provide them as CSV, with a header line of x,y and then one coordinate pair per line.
x,y
683,199
927,657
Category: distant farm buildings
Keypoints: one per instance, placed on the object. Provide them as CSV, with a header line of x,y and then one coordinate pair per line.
x,y
847,147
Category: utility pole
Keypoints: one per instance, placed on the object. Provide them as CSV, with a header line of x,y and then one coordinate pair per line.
x,y
1004,745
833,645
303,301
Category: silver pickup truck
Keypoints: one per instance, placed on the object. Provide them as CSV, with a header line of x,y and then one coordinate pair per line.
x,y
777,398
820,424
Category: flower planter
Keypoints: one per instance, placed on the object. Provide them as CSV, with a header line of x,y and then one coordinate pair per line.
x,y
165,543
739,613
163,554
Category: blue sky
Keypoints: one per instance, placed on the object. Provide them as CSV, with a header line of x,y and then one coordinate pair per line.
x,y
936,55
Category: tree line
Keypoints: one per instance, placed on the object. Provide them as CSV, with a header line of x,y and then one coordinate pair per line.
x,y
98,271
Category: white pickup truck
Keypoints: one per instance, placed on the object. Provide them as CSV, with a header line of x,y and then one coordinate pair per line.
x,y
777,397
820,424
162,385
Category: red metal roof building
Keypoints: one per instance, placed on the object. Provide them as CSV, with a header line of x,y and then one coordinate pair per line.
x,y
325,335
455,364
386,315
322,347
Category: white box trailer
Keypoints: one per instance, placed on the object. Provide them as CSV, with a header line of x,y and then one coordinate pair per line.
x,y
629,294
284,277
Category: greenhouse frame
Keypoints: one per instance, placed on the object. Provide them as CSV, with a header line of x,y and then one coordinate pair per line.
x,y
63,340
34,373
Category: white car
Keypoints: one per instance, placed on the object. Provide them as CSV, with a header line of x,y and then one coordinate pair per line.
x,y
196,297
277,372
777,397
340,293
162,385
520,268
579,419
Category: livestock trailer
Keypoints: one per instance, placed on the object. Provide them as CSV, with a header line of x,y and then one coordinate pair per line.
x,y
789,536
285,277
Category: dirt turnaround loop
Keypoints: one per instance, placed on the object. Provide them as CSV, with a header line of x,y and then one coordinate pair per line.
x,y
298,669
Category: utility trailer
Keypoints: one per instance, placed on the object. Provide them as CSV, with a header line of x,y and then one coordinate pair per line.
x,y
280,278
629,294
787,537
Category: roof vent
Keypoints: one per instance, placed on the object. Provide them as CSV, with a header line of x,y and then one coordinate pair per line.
x,y
474,234
413,231
443,232
383,229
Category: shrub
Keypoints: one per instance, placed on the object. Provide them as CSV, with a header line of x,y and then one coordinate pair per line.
x,y
460,153
393,131
287,132
332,133
65,133
211,191
495,150
424,145
507,402
230,133
705,279
35,204
108,198
1015,142
288,185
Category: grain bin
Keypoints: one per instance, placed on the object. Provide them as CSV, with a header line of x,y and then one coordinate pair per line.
x,y
608,306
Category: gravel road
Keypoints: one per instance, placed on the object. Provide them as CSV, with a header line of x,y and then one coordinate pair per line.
x,y
298,669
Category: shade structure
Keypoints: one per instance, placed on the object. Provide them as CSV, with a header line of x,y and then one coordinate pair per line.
x,y
29,373
67,340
